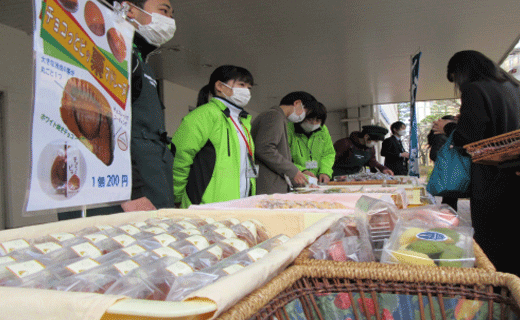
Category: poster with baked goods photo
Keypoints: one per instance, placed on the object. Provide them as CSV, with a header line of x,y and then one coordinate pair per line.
x,y
80,155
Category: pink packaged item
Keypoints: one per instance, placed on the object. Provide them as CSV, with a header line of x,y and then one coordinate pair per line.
x,y
436,215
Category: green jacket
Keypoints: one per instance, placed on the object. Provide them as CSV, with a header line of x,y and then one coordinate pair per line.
x,y
318,147
206,167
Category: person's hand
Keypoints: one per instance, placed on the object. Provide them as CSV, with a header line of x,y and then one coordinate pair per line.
x,y
324,178
300,179
388,171
310,174
405,155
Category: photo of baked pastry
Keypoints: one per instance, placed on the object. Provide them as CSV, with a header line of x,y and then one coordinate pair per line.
x,y
69,5
94,19
87,114
62,170
117,44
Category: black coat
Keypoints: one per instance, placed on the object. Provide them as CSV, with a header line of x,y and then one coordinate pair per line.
x,y
391,149
488,109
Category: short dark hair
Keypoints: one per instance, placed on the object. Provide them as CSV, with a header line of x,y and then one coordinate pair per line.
x,y
224,74
306,98
396,126
316,111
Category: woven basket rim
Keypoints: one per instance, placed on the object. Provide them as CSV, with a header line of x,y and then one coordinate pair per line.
x,y
395,273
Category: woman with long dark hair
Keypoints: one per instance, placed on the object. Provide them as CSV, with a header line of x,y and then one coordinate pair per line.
x,y
214,149
490,106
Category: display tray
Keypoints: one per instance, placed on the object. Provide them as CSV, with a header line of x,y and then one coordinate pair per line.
x,y
495,150
346,183
302,227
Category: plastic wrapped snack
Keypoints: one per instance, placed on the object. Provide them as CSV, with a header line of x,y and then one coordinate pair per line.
x,y
380,218
435,215
215,253
414,242
8,247
192,281
344,241
104,229
225,223
190,245
65,239
151,282
100,278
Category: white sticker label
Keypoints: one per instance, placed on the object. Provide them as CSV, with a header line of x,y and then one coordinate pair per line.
x,y
198,241
47,247
233,268
283,238
10,246
124,240
180,268
134,250
86,250
163,225
190,232
62,236
209,220
238,244
82,265
168,252
216,251
125,267
140,224
155,230
234,221
251,227
226,232
6,259
186,225
104,228
131,230
165,239
26,268
257,253
95,237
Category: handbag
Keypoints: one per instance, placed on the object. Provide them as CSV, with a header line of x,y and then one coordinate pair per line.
x,y
451,173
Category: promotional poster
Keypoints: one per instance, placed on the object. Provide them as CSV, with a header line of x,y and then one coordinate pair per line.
x,y
81,123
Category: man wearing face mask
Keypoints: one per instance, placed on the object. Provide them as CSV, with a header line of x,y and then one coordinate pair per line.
x,y
311,145
277,172
152,160
396,157
357,151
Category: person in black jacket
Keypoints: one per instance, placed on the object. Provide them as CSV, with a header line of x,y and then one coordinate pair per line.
x,y
436,141
396,157
490,106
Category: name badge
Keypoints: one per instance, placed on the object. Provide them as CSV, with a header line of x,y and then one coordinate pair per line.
x,y
250,173
311,164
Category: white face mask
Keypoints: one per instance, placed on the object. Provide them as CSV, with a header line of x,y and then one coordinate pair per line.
x,y
309,127
371,144
240,96
293,117
401,133
159,31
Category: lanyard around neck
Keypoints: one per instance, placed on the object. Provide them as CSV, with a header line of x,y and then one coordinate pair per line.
x,y
249,150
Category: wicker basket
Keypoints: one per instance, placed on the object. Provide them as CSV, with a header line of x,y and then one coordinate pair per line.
x,y
495,150
431,287
482,262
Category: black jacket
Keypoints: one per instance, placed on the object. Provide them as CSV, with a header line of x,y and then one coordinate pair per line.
x,y
391,149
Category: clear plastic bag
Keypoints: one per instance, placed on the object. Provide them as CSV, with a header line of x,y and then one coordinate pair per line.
x,y
415,242
435,215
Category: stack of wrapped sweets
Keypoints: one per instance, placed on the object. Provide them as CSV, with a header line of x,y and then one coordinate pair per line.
x,y
141,260
345,240
291,204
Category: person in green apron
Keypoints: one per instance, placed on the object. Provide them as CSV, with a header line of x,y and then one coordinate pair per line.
x,y
357,151
311,145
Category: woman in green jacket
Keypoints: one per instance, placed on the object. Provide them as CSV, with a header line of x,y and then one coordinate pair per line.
x,y
311,146
214,149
